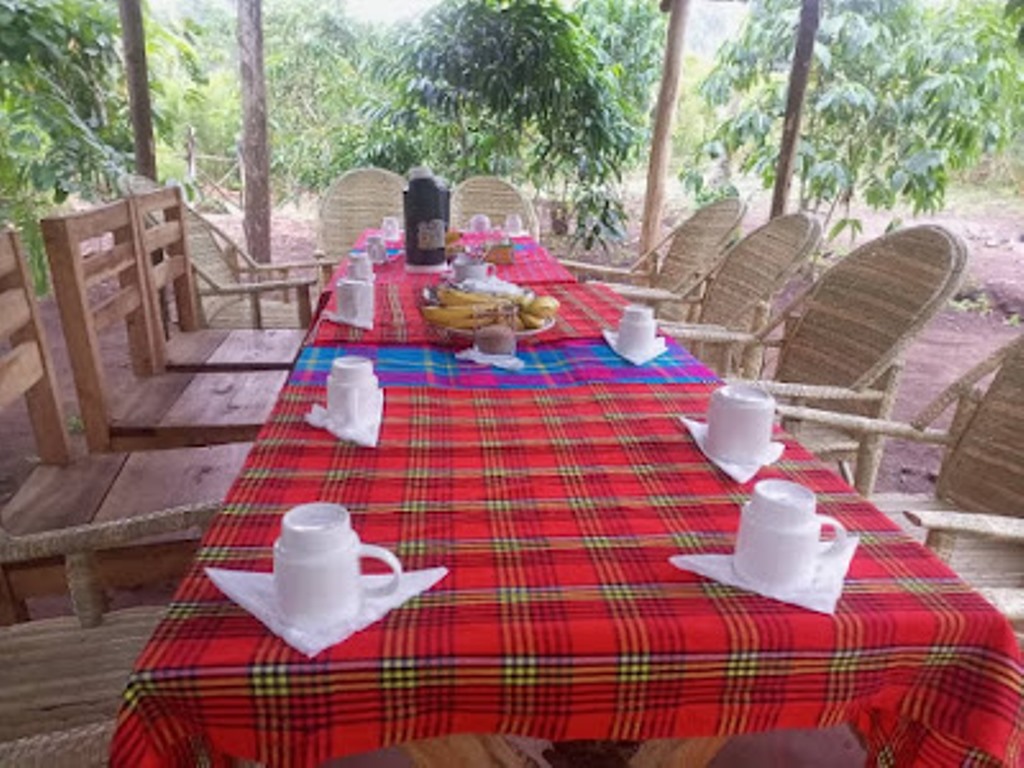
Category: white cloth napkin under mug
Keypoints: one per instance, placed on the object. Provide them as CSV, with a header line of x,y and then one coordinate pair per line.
x,y
366,434
254,591
474,355
340,318
821,595
741,473
636,358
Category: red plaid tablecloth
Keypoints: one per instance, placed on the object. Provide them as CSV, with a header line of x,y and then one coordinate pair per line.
x,y
586,310
556,512
533,263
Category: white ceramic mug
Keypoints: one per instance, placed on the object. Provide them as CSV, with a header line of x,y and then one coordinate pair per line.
x,y
359,267
355,300
637,329
779,544
467,268
480,223
317,573
352,390
513,224
740,419
376,249
390,228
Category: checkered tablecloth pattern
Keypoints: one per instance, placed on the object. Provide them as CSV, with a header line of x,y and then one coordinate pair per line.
x,y
586,310
532,264
546,365
556,512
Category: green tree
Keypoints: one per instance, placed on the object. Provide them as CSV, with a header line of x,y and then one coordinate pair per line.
x,y
63,112
316,62
519,87
900,97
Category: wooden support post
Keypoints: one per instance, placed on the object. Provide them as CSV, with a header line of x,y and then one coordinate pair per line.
x,y
661,141
810,15
255,153
134,39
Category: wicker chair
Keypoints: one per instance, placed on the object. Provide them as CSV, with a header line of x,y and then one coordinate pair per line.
x,y
235,290
975,520
738,294
696,248
494,197
357,200
843,339
62,679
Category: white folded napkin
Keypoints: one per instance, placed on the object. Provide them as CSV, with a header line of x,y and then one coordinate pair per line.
x,y
820,595
254,591
474,355
343,319
493,284
365,434
741,473
636,358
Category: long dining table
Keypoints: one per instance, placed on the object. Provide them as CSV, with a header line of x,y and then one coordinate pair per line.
x,y
555,495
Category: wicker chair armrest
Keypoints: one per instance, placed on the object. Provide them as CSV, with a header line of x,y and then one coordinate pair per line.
x,y
588,268
859,424
639,293
96,536
714,334
816,391
265,286
1001,527
283,266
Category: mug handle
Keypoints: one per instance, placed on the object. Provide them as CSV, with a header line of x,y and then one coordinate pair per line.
x,y
832,548
388,558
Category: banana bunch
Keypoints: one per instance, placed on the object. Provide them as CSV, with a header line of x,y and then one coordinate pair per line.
x,y
537,311
467,311
468,316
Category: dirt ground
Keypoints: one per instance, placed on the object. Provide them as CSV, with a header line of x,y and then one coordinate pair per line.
x,y
952,342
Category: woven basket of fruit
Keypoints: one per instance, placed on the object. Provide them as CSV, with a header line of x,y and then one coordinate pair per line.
x,y
461,312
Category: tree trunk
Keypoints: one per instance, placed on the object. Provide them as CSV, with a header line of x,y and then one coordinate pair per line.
x,y
255,154
810,15
661,141
134,39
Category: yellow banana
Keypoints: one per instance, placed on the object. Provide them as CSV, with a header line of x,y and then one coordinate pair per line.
x,y
464,317
531,321
542,306
453,297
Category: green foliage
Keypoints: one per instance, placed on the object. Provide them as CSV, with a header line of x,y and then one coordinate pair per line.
x,y
1015,13
314,59
900,97
522,88
63,113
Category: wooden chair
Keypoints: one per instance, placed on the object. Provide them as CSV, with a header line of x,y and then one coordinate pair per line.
x,y
737,295
62,679
27,369
843,339
63,486
357,200
975,519
696,248
494,197
94,264
236,291
161,233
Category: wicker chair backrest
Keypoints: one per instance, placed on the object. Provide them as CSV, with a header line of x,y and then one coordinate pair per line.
x,y
494,197
357,200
